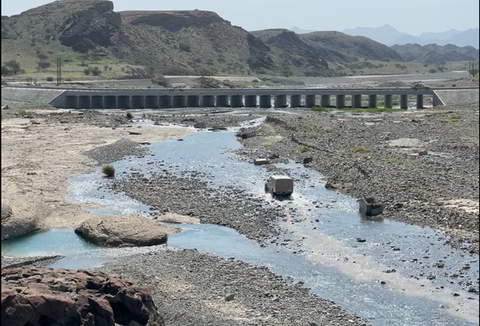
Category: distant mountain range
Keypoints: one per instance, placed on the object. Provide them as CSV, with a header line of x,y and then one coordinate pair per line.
x,y
388,35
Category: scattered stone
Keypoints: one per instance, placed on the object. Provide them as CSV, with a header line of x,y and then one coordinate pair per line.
x,y
230,297
200,125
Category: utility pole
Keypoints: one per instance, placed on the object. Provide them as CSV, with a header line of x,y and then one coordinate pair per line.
x,y
59,71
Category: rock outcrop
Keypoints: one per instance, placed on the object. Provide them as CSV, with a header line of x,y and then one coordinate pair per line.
x,y
42,296
124,230
15,226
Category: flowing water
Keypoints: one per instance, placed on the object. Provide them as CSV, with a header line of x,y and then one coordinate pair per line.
x,y
322,234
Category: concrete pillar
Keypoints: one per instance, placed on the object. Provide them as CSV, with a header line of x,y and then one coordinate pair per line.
x,y
388,101
404,102
281,101
123,102
208,101
340,102
236,101
110,102
179,101
151,102
251,101
356,101
84,102
165,102
372,101
265,101
222,101
325,101
193,101
310,101
71,102
419,101
97,102
138,102
296,101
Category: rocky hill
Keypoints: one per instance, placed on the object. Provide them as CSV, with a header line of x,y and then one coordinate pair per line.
x,y
172,43
350,48
432,53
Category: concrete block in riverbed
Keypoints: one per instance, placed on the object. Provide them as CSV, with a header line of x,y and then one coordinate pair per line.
x,y
369,208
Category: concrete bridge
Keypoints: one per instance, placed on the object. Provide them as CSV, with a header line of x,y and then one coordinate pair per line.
x,y
258,97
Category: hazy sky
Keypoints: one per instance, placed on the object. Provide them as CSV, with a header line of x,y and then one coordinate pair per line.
x,y
411,16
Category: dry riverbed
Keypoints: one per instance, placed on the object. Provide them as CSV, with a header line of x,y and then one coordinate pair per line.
x,y
40,152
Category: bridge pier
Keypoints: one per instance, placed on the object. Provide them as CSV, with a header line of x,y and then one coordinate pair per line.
x,y
179,101
97,102
151,102
356,101
340,104
404,102
281,101
71,102
372,101
265,101
165,102
222,101
84,102
236,101
124,102
296,101
208,101
193,101
310,101
420,104
251,101
325,101
388,101
138,102
110,102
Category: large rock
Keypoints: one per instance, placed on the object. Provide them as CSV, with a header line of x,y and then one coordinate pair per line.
x,y
15,226
124,230
42,296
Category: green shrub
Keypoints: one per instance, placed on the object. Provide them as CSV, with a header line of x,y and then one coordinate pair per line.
x,y
129,116
360,149
393,160
109,171
50,79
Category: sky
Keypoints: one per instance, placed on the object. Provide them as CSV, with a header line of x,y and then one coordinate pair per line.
x,y
410,16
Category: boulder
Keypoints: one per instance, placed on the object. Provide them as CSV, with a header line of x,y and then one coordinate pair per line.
x,y
15,226
42,296
124,230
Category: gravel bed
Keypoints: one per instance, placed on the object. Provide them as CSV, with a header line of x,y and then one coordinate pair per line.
x,y
14,262
191,289
355,154
250,216
116,151
210,121
90,117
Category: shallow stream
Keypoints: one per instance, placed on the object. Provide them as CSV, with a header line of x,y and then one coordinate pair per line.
x,y
321,247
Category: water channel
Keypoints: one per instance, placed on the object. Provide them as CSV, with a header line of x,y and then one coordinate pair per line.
x,y
328,258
